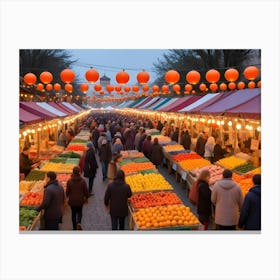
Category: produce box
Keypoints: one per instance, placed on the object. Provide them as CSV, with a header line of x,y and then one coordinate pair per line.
x,y
79,140
131,154
58,167
176,147
32,199
75,161
149,171
258,170
185,156
58,160
25,186
192,164
137,167
35,175
75,147
231,162
245,168
125,161
141,159
71,154
216,173
245,182
38,186
27,218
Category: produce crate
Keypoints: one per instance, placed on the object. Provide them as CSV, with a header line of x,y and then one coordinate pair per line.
x,y
35,175
29,217
244,168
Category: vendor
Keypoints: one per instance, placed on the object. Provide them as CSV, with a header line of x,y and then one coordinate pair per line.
x,y
26,164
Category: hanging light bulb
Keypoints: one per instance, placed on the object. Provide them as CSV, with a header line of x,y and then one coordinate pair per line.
x,y
222,122
238,126
230,123
258,128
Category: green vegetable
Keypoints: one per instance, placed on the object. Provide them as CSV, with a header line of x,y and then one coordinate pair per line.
x,y
58,160
27,216
141,159
244,168
70,155
78,140
35,175
149,171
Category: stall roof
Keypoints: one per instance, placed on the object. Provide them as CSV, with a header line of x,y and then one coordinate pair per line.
x,y
77,106
60,108
71,107
33,108
248,110
27,117
234,99
145,101
190,100
51,109
150,103
70,111
160,101
170,101
179,100
135,102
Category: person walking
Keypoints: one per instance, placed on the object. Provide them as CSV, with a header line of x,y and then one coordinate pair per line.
x,y
147,147
117,146
113,167
186,140
204,205
250,214
116,199
218,151
228,199
200,145
209,149
105,156
156,153
53,202
77,194
90,166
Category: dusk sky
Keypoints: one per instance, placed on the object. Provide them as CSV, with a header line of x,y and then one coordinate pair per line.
x,y
111,61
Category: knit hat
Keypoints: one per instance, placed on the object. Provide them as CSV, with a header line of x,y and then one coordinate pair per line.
x,y
89,144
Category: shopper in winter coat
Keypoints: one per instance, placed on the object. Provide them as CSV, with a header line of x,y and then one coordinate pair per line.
x,y
204,205
209,149
156,153
147,147
186,140
175,135
90,166
95,136
200,145
218,151
137,138
113,167
250,214
77,194
53,202
100,139
228,199
142,139
117,146
105,156
128,140
116,199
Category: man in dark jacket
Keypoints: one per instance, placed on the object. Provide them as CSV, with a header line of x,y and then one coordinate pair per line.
x,y
90,166
200,144
156,153
250,214
186,140
105,156
116,199
77,193
26,164
53,202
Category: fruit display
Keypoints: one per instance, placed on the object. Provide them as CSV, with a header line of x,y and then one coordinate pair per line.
x,y
245,168
131,154
152,199
148,171
75,161
79,140
26,217
63,177
187,156
231,162
147,182
56,149
161,139
141,159
22,228
126,161
38,186
194,164
71,155
258,170
137,167
176,147
58,160
25,186
35,175
165,217
245,182
75,147
32,199
58,167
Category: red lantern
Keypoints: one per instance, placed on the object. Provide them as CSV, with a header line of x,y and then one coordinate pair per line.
x,y
193,77
193,91
186,92
30,78
57,87
122,77
40,87
46,77
135,89
155,88
232,86
49,87
68,88
172,77
213,87
251,84
84,88
118,88
251,73
67,76
110,88
259,84
143,77
223,86
177,88
241,85
231,75
188,87
202,87
145,88
97,87
92,75
127,89
101,92
212,76
165,88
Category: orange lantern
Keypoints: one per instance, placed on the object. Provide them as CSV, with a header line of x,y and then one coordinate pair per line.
x,y
231,75
97,87
251,84
135,89
122,77
49,87
165,88
186,92
241,85
91,75
40,87
46,77
127,89
101,92
172,77
30,78
259,84
251,73
202,87
193,77
213,87
231,85
155,88
67,76
57,87
68,88
188,87
118,88
84,88
143,77
110,88
177,88
223,86
145,88
193,92
212,76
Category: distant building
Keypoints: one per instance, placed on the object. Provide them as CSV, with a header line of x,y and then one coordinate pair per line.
x,y
104,81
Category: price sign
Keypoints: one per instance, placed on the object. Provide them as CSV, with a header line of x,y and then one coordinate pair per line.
x,y
174,166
